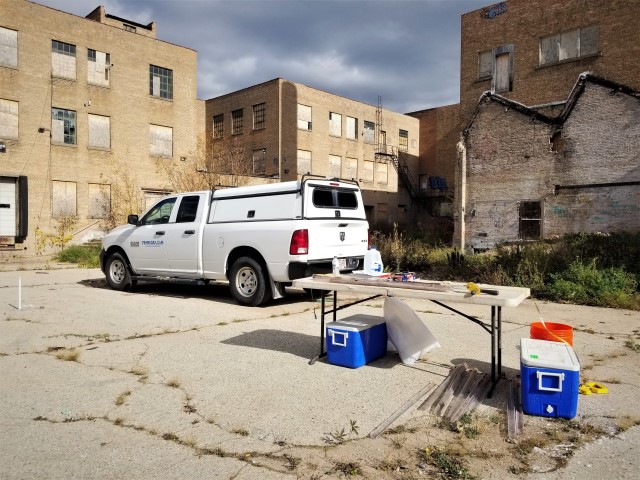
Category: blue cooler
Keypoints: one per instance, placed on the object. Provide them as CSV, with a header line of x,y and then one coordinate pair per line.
x,y
356,340
550,375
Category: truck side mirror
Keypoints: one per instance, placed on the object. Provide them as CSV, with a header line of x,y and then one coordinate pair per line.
x,y
132,219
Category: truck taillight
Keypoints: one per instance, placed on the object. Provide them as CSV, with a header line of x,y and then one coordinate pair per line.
x,y
299,242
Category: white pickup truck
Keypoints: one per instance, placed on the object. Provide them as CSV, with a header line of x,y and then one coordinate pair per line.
x,y
259,238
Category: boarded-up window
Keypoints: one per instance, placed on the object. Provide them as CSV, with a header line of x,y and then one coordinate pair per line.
x,y
351,169
98,65
502,73
367,171
304,117
160,141
63,59
99,200
99,131
568,45
335,166
485,65
259,162
335,124
63,201
382,173
369,132
530,220
8,47
8,119
304,162
151,197
352,128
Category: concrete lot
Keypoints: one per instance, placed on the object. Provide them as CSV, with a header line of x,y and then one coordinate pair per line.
x,y
169,370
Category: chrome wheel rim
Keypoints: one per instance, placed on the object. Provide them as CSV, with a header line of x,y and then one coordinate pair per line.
x,y
117,270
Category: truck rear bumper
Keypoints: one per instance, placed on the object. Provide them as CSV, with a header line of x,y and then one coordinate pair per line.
x,y
306,269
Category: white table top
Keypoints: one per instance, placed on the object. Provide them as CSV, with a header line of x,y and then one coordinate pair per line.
x,y
429,290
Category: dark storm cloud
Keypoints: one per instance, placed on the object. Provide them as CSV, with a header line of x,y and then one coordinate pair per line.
x,y
405,51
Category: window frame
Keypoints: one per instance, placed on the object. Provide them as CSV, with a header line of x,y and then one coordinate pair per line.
x,y
581,32
303,123
70,125
524,218
259,115
369,126
237,121
403,144
13,120
165,87
10,48
498,52
218,126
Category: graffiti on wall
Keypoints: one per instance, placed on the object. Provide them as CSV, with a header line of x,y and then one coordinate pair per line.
x,y
494,10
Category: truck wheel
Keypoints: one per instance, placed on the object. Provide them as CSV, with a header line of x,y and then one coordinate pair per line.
x,y
248,282
118,276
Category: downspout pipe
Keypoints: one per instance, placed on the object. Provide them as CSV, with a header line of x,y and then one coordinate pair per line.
x,y
461,192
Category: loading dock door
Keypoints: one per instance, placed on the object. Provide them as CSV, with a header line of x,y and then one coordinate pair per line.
x,y
7,207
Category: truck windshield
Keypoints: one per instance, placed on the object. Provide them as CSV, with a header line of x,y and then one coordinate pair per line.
x,y
334,198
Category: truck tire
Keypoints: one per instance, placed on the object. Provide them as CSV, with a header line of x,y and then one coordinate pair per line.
x,y
248,282
117,272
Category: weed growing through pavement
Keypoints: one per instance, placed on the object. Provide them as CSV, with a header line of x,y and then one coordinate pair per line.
x,y
174,383
120,399
68,355
140,371
630,344
347,468
243,432
448,463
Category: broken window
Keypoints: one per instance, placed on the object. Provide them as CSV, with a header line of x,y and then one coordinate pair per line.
x,y
352,128
335,124
63,126
160,141
369,132
403,140
160,82
304,117
8,119
258,116
99,200
530,220
304,162
63,199
568,45
236,122
218,126
8,48
98,66
335,166
63,59
99,131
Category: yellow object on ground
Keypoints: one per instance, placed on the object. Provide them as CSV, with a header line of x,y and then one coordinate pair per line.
x,y
592,387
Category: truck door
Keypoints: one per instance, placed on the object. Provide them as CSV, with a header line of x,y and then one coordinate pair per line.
x,y
183,248
147,244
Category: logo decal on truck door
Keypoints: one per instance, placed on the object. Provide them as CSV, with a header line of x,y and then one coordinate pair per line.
x,y
342,235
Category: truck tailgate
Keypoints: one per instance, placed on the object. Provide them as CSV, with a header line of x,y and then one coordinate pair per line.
x,y
341,238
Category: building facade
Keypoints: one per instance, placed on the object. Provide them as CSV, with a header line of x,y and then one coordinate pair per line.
x,y
532,51
87,105
530,176
283,130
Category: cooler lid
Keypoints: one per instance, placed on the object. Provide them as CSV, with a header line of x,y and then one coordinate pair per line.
x,y
356,323
546,354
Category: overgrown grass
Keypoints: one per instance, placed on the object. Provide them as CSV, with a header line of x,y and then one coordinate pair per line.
x,y
590,269
86,256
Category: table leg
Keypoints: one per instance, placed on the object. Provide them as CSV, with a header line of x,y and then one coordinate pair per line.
x,y
322,313
494,379
499,342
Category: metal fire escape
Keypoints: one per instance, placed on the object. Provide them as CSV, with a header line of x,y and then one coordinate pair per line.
x,y
385,153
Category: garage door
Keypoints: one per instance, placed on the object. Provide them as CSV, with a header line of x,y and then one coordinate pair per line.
x,y
7,207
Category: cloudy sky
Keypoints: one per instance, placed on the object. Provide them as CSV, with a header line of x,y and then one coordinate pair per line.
x,y
405,51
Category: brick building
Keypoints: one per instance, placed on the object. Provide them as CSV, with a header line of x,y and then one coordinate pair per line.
x,y
81,98
532,51
526,175
283,130
524,60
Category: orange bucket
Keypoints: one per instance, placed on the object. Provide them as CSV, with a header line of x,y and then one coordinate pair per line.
x,y
554,332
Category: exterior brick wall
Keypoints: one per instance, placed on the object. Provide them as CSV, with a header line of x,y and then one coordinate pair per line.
x,y
126,101
584,177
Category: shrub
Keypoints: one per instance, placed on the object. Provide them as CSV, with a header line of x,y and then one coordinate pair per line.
x,y
85,256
